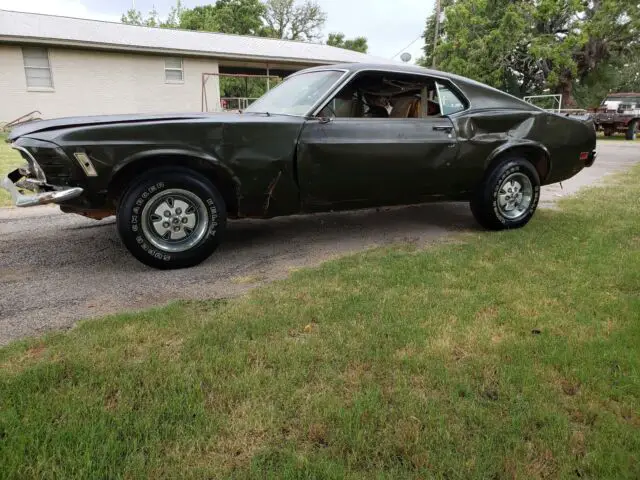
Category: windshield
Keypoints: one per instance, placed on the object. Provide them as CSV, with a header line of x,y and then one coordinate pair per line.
x,y
297,94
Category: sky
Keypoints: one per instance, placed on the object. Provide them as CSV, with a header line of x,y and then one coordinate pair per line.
x,y
389,25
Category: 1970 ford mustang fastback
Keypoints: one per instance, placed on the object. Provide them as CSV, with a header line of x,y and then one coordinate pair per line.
x,y
327,138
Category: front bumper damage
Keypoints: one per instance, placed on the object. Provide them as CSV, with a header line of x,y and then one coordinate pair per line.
x,y
31,178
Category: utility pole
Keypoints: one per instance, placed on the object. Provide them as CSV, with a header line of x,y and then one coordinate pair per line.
x,y
437,34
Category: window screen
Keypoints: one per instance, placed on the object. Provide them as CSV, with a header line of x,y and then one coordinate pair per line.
x,y
37,68
173,70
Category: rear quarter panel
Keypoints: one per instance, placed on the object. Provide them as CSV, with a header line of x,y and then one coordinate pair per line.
x,y
484,135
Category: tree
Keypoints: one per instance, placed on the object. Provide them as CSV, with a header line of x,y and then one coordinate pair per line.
x,y
358,44
241,17
288,20
430,34
135,17
527,46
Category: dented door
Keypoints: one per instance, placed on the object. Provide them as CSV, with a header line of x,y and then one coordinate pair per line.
x,y
353,162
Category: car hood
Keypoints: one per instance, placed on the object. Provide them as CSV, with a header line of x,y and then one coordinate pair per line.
x,y
37,126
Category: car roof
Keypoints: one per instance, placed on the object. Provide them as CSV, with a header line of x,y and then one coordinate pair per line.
x,y
479,94
391,67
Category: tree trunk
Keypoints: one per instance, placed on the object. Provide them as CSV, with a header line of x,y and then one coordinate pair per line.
x,y
566,89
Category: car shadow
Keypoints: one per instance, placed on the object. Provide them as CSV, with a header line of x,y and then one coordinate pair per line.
x,y
96,247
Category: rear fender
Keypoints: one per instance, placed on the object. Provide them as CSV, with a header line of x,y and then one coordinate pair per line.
x,y
533,151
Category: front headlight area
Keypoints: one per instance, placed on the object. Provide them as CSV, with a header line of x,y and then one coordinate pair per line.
x,y
31,169
46,162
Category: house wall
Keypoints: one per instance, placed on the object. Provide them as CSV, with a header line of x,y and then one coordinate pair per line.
x,y
91,82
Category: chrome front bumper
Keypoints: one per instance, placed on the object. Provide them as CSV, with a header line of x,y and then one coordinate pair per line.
x,y
31,178
42,198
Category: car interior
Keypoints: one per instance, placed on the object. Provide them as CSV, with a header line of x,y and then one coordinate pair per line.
x,y
375,95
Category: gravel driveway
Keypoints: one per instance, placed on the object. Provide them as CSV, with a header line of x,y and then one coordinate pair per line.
x,y
56,269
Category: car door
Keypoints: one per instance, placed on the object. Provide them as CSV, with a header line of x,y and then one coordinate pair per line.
x,y
354,162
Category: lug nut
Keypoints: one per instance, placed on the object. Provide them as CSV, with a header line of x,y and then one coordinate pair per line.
x,y
185,220
165,224
178,211
167,213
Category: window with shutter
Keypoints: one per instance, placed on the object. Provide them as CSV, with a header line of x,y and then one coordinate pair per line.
x,y
37,68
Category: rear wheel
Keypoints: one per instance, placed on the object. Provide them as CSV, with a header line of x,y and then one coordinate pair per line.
x,y
508,196
632,130
171,218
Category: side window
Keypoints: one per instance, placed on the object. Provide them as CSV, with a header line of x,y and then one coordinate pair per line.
x,y
449,102
386,95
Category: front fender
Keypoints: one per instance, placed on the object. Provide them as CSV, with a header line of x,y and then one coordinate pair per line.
x,y
176,154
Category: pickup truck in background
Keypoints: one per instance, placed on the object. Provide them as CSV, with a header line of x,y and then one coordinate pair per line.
x,y
619,112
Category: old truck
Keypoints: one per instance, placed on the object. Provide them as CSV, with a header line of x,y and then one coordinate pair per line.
x,y
619,112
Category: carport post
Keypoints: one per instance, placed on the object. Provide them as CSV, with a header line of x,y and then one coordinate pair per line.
x,y
268,79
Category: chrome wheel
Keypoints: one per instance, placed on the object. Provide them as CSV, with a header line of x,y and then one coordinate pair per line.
x,y
175,220
515,196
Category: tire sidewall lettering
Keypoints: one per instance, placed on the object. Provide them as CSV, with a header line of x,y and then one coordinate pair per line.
x,y
135,219
496,190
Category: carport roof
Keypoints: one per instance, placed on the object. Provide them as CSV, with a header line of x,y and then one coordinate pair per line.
x,y
19,27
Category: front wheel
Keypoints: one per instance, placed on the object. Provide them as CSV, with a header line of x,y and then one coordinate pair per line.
x,y
508,196
171,218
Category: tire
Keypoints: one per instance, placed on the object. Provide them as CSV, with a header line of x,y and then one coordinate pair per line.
x,y
492,200
171,218
632,130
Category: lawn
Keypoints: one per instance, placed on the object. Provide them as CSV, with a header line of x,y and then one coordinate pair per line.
x,y
491,355
9,159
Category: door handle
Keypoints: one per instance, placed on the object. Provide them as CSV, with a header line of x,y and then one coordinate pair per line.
x,y
443,128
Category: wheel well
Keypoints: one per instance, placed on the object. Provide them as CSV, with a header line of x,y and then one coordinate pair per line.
x,y
535,155
220,178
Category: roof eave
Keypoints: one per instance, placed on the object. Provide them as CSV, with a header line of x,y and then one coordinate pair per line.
x,y
142,49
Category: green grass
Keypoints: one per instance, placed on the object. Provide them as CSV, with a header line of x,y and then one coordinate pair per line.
x,y
9,159
494,355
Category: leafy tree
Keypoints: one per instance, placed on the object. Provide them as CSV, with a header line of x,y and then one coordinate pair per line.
x,y
135,17
241,17
430,33
527,46
358,44
290,20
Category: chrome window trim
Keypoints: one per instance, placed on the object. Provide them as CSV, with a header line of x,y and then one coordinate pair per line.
x,y
37,170
439,98
458,90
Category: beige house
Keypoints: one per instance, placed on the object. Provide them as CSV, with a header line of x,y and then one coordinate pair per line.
x,y
64,66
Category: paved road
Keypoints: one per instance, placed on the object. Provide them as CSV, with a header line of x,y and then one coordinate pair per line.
x,y
56,268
